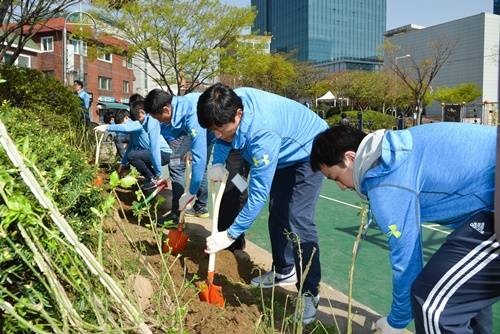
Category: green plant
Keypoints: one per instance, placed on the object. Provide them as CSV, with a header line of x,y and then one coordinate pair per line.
x,y
44,284
372,120
38,93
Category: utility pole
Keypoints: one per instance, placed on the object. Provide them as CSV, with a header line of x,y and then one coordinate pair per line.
x,y
80,44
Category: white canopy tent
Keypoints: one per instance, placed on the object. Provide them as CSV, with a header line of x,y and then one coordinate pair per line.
x,y
328,97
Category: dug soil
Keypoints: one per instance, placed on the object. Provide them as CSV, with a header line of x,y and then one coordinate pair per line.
x,y
241,311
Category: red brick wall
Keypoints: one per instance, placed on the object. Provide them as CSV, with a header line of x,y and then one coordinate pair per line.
x,y
52,61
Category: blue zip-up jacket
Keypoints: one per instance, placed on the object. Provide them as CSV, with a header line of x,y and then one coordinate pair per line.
x,y
185,121
145,136
85,99
441,173
274,132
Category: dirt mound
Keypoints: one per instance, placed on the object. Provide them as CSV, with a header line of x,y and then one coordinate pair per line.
x,y
233,273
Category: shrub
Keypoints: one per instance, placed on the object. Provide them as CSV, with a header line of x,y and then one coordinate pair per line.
x,y
372,120
41,96
43,118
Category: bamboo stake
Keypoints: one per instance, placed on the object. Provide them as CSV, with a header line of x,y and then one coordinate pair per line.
x,y
98,148
355,249
94,266
41,259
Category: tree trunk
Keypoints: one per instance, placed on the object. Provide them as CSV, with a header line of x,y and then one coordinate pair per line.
x,y
419,114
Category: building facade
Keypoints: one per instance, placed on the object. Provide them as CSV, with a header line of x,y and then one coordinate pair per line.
x,y
336,34
496,7
475,55
107,75
29,56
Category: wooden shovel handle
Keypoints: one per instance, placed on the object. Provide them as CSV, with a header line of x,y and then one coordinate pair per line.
x,y
215,217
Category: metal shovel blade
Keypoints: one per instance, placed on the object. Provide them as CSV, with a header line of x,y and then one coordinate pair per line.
x,y
176,241
211,293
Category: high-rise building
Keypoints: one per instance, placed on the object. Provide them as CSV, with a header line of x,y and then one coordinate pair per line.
x,y
474,57
496,7
338,34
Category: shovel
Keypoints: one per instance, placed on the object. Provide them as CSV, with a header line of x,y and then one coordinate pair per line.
x,y
160,187
177,240
210,292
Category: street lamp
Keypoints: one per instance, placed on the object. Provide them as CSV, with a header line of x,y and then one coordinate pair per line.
x,y
401,57
65,51
396,65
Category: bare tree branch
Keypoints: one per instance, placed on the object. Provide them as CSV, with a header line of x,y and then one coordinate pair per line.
x,y
21,20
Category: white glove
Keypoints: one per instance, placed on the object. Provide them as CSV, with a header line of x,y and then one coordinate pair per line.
x,y
383,327
185,199
218,241
101,128
217,172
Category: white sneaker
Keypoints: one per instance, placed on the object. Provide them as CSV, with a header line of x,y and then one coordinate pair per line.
x,y
310,308
270,279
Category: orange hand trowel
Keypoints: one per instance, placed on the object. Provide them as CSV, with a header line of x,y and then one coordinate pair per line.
x,y
177,240
210,292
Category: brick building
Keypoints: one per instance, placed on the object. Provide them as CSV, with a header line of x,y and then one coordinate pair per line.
x,y
108,75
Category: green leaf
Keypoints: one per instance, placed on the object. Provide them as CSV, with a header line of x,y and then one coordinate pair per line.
x,y
114,180
96,212
128,181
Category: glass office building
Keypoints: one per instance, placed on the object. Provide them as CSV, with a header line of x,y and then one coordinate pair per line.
x,y
496,7
338,34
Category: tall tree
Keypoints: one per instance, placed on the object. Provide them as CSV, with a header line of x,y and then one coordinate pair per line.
x,y
185,42
310,83
270,72
462,93
417,73
22,19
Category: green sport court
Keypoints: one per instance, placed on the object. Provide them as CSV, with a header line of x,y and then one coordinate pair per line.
x,y
337,219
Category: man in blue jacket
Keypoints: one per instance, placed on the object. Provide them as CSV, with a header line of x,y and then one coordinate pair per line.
x,y
274,135
441,173
84,99
178,117
147,150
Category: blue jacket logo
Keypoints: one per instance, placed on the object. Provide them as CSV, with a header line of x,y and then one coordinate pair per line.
x,y
265,160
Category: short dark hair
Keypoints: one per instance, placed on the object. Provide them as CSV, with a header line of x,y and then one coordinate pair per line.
x,y
135,109
217,106
120,116
135,97
78,82
156,100
108,116
330,145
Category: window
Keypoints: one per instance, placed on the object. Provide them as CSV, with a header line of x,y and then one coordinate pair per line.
x,y
80,47
21,61
126,86
104,83
47,44
107,57
78,76
127,62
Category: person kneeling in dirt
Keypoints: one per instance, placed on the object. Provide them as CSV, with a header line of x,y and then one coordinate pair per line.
x,y
147,150
274,135
179,121
442,173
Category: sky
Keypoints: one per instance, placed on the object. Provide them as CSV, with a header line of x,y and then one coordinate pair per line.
x,y
422,12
